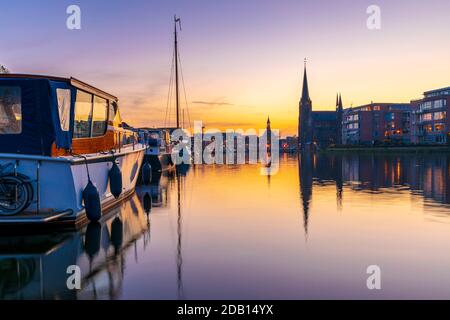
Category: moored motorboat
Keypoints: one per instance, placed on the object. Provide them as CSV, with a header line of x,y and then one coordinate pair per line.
x,y
159,148
56,136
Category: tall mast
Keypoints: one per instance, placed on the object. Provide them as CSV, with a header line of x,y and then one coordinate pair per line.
x,y
176,70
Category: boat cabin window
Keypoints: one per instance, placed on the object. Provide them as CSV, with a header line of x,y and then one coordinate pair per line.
x,y
112,111
63,96
10,110
100,116
83,115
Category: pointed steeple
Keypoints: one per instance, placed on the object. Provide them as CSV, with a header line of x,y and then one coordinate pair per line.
x,y
339,118
337,100
305,131
305,90
269,136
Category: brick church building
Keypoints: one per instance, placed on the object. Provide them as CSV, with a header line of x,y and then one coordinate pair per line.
x,y
318,129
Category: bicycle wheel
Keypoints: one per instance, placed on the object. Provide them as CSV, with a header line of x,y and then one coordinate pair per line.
x,y
14,195
29,186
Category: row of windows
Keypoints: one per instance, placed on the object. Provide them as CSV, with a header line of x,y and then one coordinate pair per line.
x,y
91,115
353,126
439,93
370,108
91,112
436,104
433,116
353,117
438,127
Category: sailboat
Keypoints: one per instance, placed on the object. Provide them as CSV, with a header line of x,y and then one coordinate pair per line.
x,y
160,148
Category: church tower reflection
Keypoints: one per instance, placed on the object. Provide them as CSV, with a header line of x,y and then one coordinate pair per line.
x,y
339,180
305,175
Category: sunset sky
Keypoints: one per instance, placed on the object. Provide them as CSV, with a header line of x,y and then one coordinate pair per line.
x,y
242,59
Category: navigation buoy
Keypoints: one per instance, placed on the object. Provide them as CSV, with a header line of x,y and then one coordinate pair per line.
x,y
115,180
146,173
91,200
147,203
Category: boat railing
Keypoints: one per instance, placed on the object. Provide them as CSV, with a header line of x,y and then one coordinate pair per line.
x,y
126,138
34,183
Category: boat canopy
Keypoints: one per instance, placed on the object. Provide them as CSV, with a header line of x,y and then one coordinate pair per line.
x,y
38,111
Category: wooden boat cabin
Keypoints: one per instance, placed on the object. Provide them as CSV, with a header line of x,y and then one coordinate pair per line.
x,y
50,116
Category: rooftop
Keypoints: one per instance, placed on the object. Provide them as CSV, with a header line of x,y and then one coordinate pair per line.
x,y
72,81
437,91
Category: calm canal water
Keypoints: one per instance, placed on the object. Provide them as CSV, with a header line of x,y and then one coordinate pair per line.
x,y
219,232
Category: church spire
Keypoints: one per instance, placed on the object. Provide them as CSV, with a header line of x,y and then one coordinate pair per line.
x,y
339,118
305,132
305,90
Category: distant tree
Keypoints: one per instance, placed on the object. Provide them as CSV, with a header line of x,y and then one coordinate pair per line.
x,y
3,69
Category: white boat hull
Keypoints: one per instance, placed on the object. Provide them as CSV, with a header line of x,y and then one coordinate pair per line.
x,y
58,183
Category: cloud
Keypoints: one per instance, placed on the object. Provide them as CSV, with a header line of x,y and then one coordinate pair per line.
x,y
213,103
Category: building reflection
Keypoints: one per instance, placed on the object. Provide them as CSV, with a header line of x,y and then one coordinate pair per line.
x,y
425,175
306,165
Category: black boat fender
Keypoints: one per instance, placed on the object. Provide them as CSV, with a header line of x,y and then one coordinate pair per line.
x,y
115,180
91,199
146,173
147,203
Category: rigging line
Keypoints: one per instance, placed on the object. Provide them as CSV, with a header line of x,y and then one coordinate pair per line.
x,y
185,95
167,116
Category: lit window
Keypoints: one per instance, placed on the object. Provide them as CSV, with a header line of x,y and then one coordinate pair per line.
x,y
100,116
83,115
10,110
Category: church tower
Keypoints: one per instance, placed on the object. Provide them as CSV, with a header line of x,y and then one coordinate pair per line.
x,y
269,134
339,118
305,109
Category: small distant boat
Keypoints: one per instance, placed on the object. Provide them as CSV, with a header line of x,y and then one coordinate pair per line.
x,y
57,135
159,148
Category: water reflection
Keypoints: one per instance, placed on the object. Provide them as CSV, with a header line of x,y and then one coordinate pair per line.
x,y
34,266
229,232
426,175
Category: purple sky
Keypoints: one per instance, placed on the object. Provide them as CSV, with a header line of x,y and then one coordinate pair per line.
x,y
242,59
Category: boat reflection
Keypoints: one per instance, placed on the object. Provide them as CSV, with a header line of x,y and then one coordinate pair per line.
x,y
34,266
